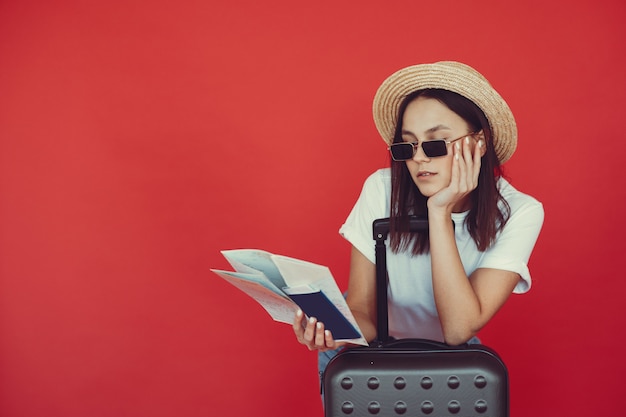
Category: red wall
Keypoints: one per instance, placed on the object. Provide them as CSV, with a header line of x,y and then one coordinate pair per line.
x,y
138,138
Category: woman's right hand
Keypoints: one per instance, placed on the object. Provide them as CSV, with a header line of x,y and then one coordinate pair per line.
x,y
312,334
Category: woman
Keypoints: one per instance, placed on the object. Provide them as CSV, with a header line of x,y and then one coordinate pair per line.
x,y
448,132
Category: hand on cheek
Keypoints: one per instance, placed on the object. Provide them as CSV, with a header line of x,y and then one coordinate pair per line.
x,y
463,177
467,158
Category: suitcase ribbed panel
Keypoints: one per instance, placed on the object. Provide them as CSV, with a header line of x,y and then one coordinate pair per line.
x,y
392,382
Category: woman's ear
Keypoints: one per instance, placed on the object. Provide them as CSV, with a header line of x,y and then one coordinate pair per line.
x,y
480,141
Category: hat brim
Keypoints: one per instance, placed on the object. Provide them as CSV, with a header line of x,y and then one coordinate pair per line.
x,y
453,76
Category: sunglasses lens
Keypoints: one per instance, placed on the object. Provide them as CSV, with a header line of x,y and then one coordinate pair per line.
x,y
401,151
435,148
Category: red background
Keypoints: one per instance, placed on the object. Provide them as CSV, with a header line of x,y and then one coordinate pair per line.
x,y
138,138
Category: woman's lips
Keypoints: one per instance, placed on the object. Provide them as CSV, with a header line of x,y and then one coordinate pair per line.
x,y
425,174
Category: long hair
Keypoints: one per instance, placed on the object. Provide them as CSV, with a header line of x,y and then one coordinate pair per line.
x,y
489,211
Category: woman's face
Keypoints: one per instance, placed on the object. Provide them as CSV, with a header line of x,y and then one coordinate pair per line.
x,y
428,119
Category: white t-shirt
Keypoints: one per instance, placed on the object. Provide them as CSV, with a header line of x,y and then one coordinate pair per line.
x,y
412,311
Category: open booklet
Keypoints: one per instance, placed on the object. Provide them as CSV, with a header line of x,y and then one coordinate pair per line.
x,y
282,285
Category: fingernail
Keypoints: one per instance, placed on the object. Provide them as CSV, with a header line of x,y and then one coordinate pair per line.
x,y
312,320
466,139
457,145
319,326
480,143
299,313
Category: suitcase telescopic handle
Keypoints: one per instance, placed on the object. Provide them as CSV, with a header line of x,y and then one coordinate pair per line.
x,y
381,231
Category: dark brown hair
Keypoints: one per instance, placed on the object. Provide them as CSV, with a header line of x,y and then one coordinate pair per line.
x,y
489,211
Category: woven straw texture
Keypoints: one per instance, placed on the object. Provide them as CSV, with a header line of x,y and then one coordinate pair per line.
x,y
452,76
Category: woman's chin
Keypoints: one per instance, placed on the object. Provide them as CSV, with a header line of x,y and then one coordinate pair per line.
x,y
428,190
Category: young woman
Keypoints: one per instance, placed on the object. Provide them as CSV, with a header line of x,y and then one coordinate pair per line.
x,y
448,133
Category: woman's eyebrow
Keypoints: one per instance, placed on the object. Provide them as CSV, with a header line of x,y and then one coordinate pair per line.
x,y
437,128
428,131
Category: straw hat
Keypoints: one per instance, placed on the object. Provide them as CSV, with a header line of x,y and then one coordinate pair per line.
x,y
452,76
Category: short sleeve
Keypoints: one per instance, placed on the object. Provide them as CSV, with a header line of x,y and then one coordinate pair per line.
x,y
372,204
515,243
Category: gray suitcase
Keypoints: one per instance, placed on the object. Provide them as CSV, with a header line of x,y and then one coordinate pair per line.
x,y
413,377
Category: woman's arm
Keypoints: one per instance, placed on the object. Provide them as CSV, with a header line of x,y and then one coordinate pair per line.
x,y
362,293
464,305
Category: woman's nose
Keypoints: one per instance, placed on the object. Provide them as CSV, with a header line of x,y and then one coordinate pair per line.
x,y
419,155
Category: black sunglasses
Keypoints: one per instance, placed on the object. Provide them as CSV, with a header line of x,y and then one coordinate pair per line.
x,y
403,151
